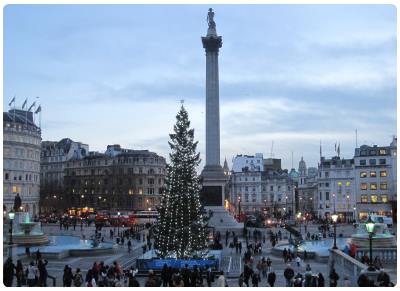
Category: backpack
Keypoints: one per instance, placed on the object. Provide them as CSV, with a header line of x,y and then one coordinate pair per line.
x,y
78,279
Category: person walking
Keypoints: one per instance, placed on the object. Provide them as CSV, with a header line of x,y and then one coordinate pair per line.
x,y
8,272
129,246
31,275
78,278
321,280
288,274
67,276
255,279
164,275
42,273
19,273
271,278
333,278
298,261
284,254
221,281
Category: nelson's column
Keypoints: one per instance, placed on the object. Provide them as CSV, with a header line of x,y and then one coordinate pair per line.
x,y
213,179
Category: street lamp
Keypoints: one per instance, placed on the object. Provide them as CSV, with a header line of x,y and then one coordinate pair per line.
x,y
149,214
119,214
11,216
370,225
354,214
334,219
239,199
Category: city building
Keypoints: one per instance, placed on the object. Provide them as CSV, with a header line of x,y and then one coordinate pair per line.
x,y
260,185
376,179
336,188
307,190
278,193
246,183
21,160
53,157
119,180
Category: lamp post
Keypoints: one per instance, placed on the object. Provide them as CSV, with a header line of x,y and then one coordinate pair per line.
x,y
11,216
149,214
370,225
354,214
119,214
239,199
334,219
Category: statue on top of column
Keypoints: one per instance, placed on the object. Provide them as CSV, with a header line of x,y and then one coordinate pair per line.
x,y
210,18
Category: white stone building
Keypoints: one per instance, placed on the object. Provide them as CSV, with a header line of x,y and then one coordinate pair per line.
x,y
376,179
21,160
336,188
307,190
261,185
246,183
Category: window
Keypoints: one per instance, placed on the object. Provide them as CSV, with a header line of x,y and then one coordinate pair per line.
x,y
150,181
383,173
348,184
363,186
374,198
6,176
373,186
130,191
14,189
383,186
372,174
363,162
382,161
384,198
372,162
150,190
320,195
382,152
326,174
364,198
140,181
140,191
326,184
339,184
326,195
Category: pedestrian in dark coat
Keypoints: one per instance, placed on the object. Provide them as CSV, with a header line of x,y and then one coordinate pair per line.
x,y
271,278
8,272
321,280
333,278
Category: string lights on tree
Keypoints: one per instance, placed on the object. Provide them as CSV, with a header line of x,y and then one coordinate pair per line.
x,y
181,229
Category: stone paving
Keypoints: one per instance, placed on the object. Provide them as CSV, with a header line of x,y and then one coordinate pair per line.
x,y
231,264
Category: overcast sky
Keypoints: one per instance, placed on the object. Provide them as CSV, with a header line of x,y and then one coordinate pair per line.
x,y
292,74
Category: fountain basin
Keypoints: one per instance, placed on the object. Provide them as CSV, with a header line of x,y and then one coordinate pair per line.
x,y
318,249
69,246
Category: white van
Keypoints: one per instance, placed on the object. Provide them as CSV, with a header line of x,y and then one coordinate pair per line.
x,y
382,219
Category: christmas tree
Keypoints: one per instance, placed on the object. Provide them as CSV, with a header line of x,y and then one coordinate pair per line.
x,y
181,228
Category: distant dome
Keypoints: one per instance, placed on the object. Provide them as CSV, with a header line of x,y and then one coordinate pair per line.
x,y
293,174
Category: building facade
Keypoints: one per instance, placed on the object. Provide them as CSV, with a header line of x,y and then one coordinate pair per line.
x,y
260,185
307,190
376,179
53,158
21,160
119,180
336,188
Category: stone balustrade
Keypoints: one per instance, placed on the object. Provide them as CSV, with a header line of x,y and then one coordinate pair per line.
x,y
386,255
345,265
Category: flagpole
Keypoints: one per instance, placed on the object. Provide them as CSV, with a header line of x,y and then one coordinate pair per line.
x,y
14,111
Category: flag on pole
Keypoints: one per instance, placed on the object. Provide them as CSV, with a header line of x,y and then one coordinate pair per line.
x,y
39,109
24,104
11,102
33,104
335,148
320,149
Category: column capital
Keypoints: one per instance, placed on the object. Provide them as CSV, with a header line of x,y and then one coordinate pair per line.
x,y
212,43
